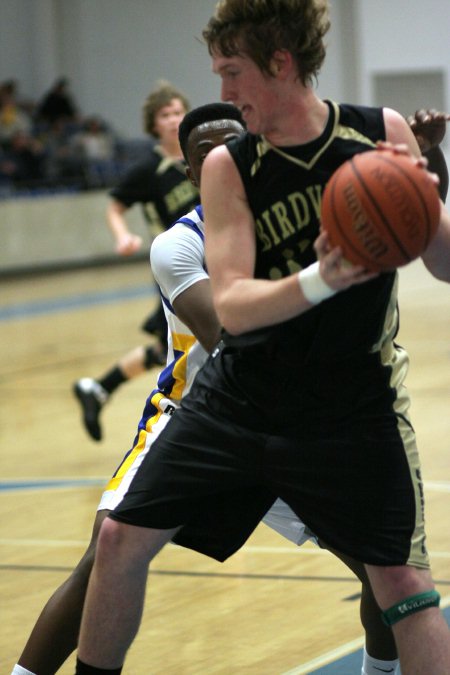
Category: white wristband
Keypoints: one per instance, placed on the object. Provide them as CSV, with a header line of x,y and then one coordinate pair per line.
x,y
314,288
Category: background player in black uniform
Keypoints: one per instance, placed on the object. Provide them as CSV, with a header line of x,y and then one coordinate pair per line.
x,y
305,397
160,186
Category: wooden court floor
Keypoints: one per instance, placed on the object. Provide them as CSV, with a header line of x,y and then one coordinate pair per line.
x,y
273,609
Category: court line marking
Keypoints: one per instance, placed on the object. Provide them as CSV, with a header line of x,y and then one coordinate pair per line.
x,y
24,310
14,485
292,550
344,650
12,567
316,550
52,482
327,658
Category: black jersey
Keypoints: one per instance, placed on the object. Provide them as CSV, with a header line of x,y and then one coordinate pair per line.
x,y
284,189
160,184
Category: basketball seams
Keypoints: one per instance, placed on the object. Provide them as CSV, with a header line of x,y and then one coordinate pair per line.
x,y
381,210
341,229
381,215
417,193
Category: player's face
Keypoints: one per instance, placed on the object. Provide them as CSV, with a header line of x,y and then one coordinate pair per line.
x,y
167,121
249,89
204,138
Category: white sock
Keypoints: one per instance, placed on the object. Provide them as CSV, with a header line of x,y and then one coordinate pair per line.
x,y
18,670
373,666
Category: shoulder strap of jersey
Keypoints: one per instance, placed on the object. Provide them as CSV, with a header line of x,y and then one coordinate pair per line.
x,y
193,219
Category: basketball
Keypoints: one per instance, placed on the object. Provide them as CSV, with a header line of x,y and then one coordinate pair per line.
x,y
381,209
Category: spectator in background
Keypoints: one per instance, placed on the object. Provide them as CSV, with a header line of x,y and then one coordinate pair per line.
x,y
23,161
12,117
64,167
95,146
57,105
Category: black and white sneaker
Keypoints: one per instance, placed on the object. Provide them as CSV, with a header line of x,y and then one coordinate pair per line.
x,y
92,398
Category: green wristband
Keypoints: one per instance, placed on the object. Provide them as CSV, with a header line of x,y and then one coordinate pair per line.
x,y
411,605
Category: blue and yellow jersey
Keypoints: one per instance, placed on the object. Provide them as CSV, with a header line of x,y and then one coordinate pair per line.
x,y
177,260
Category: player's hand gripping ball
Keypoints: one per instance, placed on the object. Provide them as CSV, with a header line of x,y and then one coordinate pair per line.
x,y
381,209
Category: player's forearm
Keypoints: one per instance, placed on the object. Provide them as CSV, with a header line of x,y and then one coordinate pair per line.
x,y
249,304
438,165
437,255
116,221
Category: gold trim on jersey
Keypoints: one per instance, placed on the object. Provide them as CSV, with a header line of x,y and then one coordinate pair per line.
x,y
338,131
396,359
167,162
390,325
261,148
295,160
349,134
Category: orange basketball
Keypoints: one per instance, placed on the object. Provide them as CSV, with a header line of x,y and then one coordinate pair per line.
x,y
381,209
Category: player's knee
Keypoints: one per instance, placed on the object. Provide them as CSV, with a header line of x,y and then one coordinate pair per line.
x,y
402,591
392,584
131,545
111,539
407,580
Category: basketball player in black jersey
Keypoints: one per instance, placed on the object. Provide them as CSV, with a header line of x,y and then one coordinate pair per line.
x,y
159,185
304,398
58,623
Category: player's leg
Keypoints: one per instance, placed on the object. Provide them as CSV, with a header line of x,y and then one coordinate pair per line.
x,y
194,460
92,394
115,597
406,591
409,601
156,323
380,650
55,633
371,507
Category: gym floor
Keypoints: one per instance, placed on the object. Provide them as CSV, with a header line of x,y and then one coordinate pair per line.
x,y
273,609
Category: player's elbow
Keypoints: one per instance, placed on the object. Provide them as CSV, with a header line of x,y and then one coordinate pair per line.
x,y
233,309
437,256
233,320
234,327
439,269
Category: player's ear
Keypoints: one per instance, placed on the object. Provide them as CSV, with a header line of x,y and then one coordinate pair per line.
x,y
190,175
280,62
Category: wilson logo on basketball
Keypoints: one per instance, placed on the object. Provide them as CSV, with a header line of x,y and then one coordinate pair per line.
x,y
371,241
381,208
399,197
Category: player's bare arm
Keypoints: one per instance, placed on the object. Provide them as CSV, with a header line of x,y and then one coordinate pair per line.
x,y
398,132
195,308
437,255
127,243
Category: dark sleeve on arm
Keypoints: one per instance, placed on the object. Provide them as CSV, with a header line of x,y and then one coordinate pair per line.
x,y
437,164
136,186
